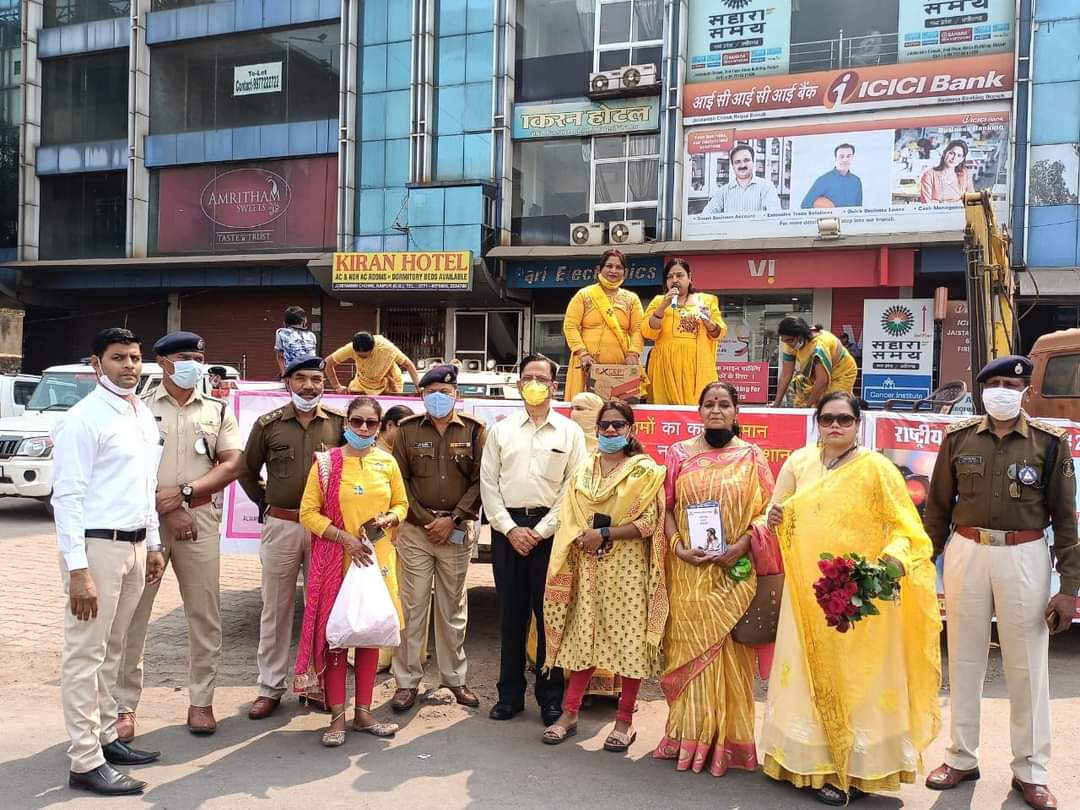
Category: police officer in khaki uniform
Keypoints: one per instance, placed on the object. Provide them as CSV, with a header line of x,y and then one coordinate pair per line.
x,y
439,454
285,441
201,450
999,481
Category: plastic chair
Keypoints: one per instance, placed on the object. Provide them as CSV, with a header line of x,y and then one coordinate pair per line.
x,y
941,400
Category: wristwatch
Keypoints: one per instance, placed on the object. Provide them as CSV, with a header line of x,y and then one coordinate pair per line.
x,y
188,492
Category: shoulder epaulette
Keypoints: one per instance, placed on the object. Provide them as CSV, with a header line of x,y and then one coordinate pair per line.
x,y
471,418
416,417
267,418
1053,430
333,411
964,424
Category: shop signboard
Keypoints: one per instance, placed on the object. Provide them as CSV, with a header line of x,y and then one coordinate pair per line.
x,y
641,271
751,380
898,349
404,272
875,175
727,40
800,270
955,363
581,119
246,208
945,81
250,80
938,30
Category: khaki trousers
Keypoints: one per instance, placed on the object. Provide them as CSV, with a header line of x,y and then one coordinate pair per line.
x,y
285,549
420,563
197,567
1012,583
92,649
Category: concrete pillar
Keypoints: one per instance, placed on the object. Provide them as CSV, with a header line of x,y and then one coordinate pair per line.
x,y
347,123
30,133
11,339
138,176
172,317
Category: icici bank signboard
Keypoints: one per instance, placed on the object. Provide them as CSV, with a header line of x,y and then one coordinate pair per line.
x,y
941,81
279,205
804,270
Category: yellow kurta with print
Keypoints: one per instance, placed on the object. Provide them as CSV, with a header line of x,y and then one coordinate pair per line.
x,y
683,361
586,333
378,374
825,349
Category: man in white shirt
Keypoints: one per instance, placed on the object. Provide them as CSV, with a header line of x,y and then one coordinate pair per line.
x,y
528,461
106,453
746,192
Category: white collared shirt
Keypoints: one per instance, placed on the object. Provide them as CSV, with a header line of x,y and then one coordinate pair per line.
x,y
526,465
105,461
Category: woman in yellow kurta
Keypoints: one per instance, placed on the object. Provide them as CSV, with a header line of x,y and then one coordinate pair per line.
x,y
709,679
814,362
378,365
605,605
602,323
346,488
687,327
850,711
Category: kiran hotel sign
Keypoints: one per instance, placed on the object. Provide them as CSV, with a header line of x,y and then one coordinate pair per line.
x,y
387,272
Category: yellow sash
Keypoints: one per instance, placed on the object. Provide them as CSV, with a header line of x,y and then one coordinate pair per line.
x,y
606,307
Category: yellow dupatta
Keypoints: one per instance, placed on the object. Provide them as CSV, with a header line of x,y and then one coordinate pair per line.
x,y
864,507
606,307
624,496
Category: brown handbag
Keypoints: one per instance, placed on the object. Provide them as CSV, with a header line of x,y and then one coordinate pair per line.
x,y
758,624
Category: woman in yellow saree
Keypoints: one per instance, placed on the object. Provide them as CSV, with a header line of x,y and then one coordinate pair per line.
x,y
687,327
709,678
605,605
851,712
602,323
814,363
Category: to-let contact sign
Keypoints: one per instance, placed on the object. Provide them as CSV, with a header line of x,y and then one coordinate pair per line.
x,y
250,80
403,271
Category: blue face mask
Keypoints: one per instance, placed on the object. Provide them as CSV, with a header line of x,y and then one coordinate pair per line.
x,y
612,444
439,404
358,442
186,373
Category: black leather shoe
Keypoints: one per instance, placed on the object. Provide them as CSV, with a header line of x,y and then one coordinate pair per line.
x,y
504,711
551,714
106,781
118,753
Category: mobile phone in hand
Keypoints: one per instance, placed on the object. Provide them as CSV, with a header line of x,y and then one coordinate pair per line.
x,y
373,531
601,521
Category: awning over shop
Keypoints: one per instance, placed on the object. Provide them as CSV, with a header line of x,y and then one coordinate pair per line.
x,y
1049,282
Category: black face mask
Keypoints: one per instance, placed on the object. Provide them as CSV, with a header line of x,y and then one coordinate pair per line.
x,y
718,437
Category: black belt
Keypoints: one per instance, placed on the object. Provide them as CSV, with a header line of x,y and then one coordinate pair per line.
x,y
529,511
136,536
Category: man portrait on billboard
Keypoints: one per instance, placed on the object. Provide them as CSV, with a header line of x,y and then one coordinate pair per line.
x,y
839,187
746,191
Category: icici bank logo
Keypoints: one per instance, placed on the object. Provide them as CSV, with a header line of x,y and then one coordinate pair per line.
x,y
763,268
842,89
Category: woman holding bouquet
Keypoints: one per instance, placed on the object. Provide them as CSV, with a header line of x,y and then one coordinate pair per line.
x,y
346,488
715,478
850,712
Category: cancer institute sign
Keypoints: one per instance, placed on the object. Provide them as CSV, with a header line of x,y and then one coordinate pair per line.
x,y
387,272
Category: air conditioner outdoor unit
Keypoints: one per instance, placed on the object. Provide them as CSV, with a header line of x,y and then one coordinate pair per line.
x,y
605,83
639,77
587,233
627,232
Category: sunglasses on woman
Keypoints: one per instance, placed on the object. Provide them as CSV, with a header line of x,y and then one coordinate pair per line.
x,y
844,420
356,422
618,424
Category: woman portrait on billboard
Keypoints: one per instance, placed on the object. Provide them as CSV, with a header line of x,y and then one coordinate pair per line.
x,y
950,179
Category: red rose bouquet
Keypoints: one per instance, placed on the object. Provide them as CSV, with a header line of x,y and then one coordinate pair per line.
x,y
850,583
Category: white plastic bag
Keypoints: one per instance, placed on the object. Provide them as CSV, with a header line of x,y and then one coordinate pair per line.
x,y
363,614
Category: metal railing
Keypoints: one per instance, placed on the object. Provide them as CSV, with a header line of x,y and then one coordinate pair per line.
x,y
843,52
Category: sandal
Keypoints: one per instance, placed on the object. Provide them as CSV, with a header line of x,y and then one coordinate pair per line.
x,y
375,729
837,798
556,734
332,739
618,742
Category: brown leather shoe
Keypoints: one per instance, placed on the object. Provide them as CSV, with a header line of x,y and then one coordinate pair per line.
x,y
200,719
465,696
403,700
263,707
1036,796
125,726
946,777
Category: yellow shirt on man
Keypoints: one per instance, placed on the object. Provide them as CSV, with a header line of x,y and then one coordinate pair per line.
x,y
380,373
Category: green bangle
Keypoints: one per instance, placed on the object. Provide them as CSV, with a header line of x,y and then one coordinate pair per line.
x,y
740,572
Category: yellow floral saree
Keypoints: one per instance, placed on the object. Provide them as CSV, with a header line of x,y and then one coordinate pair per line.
x,y
853,709
709,678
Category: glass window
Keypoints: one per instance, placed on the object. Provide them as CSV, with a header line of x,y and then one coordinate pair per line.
x,y
84,98
165,5
23,390
830,34
246,80
551,190
67,12
615,22
93,208
555,44
631,32
626,170
1062,377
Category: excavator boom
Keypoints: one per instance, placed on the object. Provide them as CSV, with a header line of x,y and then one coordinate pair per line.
x,y
991,284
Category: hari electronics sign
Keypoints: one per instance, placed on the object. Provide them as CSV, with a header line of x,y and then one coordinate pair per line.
x,y
278,205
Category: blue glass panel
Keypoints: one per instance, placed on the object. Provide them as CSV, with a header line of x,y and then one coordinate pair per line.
x,y
373,116
397,162
430,238
449,154
370,212
397,114
481,16
372,164
249,15
395,242
480,52
478,107
303,137
464,205
1052,235
219,145
189,147
451,103
302,11
451,61
274,140
1055,9
462,237
451,17
399,21
395,209
275,14
398,65
425,207
374,21
373,69
1055,113
477,156
1052,40
367,244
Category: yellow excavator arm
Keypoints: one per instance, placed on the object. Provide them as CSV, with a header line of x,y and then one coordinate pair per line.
x,y
991,283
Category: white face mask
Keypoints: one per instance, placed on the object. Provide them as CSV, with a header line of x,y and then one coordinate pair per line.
x,y
305,405
1002,404
112,387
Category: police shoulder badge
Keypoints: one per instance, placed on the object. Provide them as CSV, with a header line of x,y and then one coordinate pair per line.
x,y
1067,468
